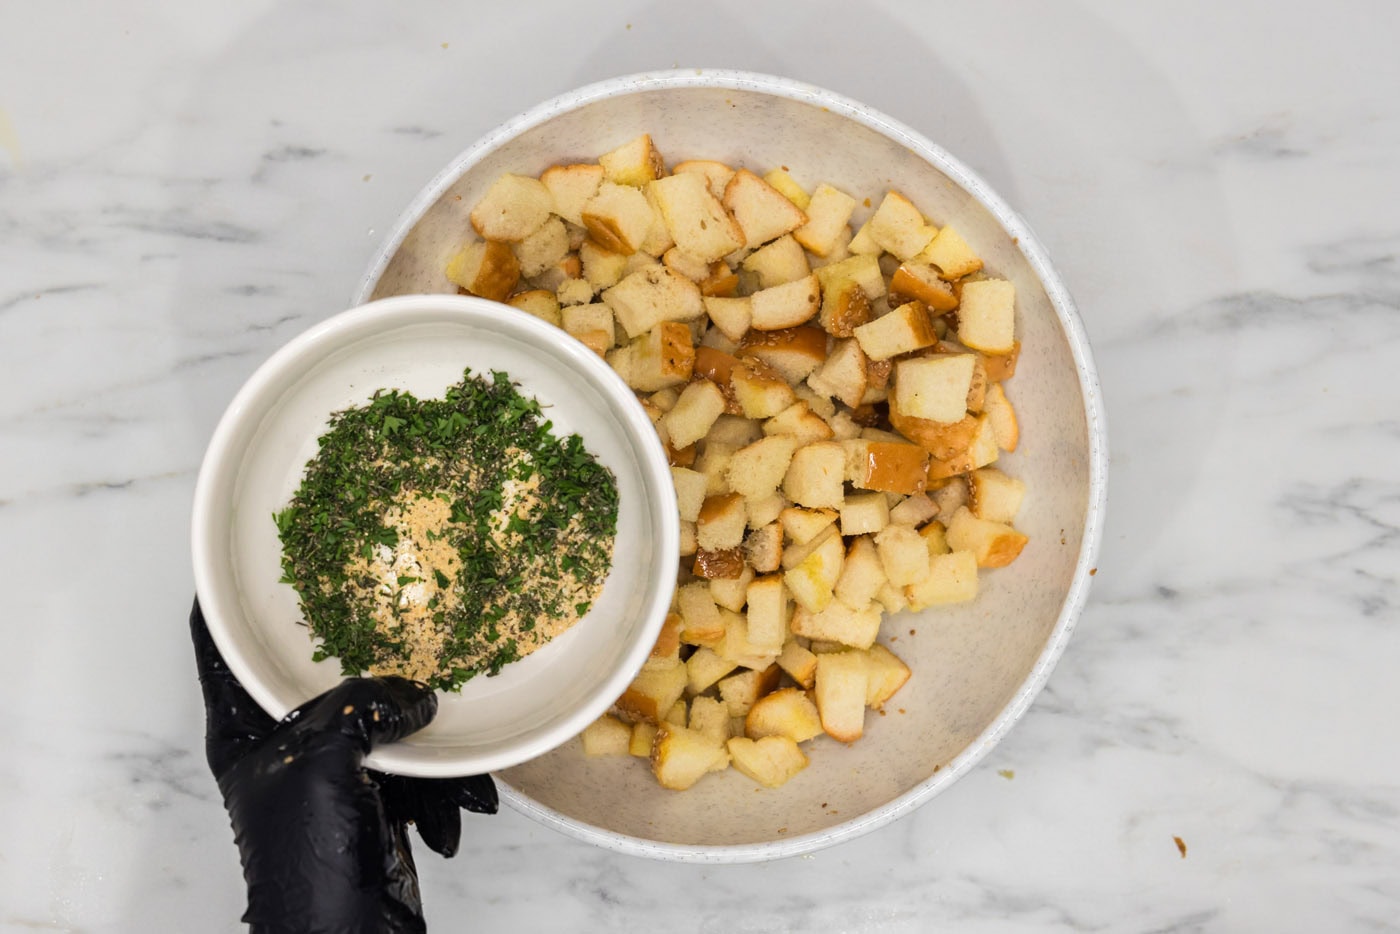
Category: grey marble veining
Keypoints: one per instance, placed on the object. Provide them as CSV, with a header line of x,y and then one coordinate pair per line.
x,y
182,189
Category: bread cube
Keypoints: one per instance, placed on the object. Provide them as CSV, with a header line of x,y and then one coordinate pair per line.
x,y
781,180
543,248
993,544
892,598
713,462
919,282
792,352
606,736
799,663
935,538
799,422
994,495
635,162
651,296
767,613
618,217
602,268
654,691
779,262
733,429
690,492
709,717
771,761
697,222
701,623
863,270
761,211
785,306
704,668
540,303
841,687
890,467
914,510
934,387
886,674
950,253
837,622
812,580
862,575
760,391
863,244
763,546
787,712
722,565
680,757
594,318
730,315
699,405
1005,429
489,269
951,578
643,735
741,691
863,513
827,211
898,227
815,475
903,555
682,263
658,239
843,375
513,208
845,307
570,187
986,316
981,450
668,641
905,329
756,470
722,522
716,174
688,540
804,525
662,357
574,292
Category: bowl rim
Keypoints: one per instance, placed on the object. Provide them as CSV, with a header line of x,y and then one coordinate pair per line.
x,y
1076,336
388,314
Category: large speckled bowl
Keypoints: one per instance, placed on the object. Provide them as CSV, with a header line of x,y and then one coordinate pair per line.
x,y
977,666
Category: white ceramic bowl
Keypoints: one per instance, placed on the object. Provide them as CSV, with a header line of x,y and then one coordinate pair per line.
x,y
422,344
976,666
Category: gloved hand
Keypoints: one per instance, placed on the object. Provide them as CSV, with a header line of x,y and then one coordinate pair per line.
x,y
323,840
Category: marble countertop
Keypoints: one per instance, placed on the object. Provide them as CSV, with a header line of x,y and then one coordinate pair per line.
x,y
183,187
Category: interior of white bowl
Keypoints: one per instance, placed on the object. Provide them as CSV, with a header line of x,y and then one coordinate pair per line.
x,y
422,345
975,666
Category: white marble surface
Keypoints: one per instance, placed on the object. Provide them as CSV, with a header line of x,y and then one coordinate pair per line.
x,y
185,186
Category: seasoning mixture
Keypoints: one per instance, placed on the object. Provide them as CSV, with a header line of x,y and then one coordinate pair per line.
x,y
439,539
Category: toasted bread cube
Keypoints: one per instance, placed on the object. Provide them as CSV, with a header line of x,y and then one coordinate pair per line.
x,y
950,253
815,475
785,306
720,282
914,510
844,427
841,687
781,180
863,270
513,208
704,668
677,714
668,642
890,467
731,592
701,623
680,757
713,462
828,211
812,581
759,390
787,712
602,268
580,320
799,662
771,761
722,522
892,598
887,673
618,217
844,375
935,538
934,387
487,269
993,544
730,315
799,422
818,403
643,735
735,430
779,262
653,295
690,491
863,513
899,228
980,451
606,736
699,405
838,622
540,303
662,357
542,249
845,307
862,574
574,292
906,328
737,647
756,470
792,352
635,162
763,546
654,691
919,282
761,211
765,511
903,555
994,495
623,361
716,174
951,578
696,221
1005,429
709,717
689,544
950,496
570,187
742,690
767,613
658,239
693,268
724,565
944,440
804,525
863,244
986,316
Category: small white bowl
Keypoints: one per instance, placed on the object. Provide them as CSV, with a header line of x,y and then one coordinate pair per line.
x,y
422,344
977,666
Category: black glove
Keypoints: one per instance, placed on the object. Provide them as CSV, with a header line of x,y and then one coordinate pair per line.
x,y
323,840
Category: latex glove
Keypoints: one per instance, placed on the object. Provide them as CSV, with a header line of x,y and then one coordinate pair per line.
x,y
323,840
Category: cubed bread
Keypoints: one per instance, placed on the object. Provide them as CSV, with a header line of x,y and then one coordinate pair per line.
x,y
716,174
543,248
934,387
903,555
898,227
722,522
699,405
786,712
763,545
862,574
812,581
771,761
951,578
705,668
994,495
731,315
845,307
827,211
742,690
571,187
864,513
863,270
756,470
887,466
593,318
513,208
837,622
654,691
799,662
785,183
731,592
489,269
652,295
792,352
709,717
635,162
643,735
723,565
804,525
660,358
602,268
765,511
840,691
540,303
761,211
785,306
679,261
680,756
760,391
843,375
697,222
886,674
993,544
690,491
607,736
767,613
919,282
799,422
1005,428
779,262
986,316
618,217
906,328
815,475
950,253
